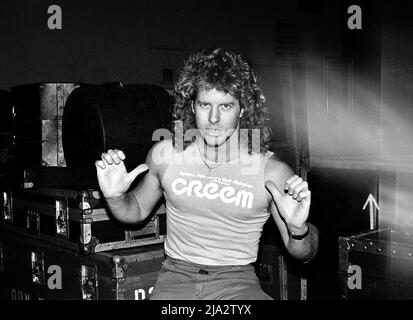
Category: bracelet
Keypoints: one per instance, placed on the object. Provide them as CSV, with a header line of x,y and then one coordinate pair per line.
x,y
300,236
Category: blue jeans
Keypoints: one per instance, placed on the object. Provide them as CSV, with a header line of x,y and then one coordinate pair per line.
x,y
181,280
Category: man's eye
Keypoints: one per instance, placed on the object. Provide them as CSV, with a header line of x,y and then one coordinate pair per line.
x,y
226,106
204,105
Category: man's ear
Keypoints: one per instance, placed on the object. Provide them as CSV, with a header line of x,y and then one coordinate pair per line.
x,y
241,113
192,106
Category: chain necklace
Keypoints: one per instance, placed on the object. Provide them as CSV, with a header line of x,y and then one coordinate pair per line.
x,y
217,164
210,168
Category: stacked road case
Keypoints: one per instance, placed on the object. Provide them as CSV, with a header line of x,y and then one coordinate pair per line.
x,y
75,219
58,240
35,269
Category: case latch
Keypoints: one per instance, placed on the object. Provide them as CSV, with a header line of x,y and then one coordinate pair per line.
x,y
62,218
33,222
7,206
89,283
37,266
85,232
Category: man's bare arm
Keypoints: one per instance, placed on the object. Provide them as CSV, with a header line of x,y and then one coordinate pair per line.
x,y
307,248
287,194
129,206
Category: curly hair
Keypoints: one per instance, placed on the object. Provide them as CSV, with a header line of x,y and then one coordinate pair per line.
x,y
225,71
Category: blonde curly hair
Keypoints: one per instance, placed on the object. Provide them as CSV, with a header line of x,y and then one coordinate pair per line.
x,y
226,71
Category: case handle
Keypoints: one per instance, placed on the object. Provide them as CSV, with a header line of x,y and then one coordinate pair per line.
x,y
33,222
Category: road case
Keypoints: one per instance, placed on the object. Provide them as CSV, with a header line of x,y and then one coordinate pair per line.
x,y
75,219
38,123
281,277
33,269
12,176
376,265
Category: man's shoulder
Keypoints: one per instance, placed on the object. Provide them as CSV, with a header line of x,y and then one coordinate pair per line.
x,y
161,153
277,170
164,145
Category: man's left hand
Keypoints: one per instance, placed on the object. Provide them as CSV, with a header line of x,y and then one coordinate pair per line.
x,y
293,204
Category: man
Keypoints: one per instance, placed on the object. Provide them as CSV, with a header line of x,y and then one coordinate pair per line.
x,y
220,185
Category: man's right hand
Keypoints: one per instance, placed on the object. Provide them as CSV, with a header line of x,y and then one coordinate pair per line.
x,y
113,178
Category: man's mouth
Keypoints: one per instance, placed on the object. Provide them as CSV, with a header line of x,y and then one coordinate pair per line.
x,y
213,132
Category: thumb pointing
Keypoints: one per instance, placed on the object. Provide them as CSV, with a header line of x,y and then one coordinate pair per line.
x,y
137,171
272,188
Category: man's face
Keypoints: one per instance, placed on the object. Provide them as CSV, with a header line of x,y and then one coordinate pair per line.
x,y
217,116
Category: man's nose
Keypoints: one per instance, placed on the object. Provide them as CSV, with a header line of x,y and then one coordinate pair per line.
x,y
214,115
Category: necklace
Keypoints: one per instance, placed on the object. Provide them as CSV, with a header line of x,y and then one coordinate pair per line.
x,y
210,168
217,164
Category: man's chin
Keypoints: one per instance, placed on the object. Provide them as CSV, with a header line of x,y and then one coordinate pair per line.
x,y
214,142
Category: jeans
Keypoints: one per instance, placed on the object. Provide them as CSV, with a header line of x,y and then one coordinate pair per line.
x,y
181,280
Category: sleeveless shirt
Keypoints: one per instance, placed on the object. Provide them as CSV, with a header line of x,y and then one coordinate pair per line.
x,y
214,217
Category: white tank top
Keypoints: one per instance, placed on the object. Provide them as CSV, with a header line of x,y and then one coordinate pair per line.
x,y
214,217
